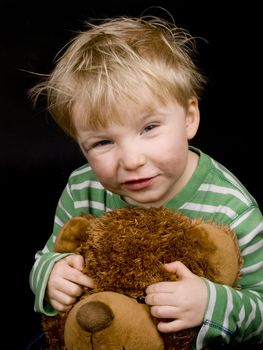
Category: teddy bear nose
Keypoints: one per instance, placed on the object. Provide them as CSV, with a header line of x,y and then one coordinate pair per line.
x,y
94,316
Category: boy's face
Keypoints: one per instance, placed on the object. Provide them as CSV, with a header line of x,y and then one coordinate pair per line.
x,y
147,160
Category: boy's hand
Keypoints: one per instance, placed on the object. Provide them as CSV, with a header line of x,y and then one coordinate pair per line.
x,y
183,301
66,282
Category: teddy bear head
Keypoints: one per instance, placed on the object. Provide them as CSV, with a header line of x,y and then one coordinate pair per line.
x,y
124,252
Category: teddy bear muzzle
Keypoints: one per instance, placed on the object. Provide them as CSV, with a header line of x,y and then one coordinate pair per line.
x,y
111,321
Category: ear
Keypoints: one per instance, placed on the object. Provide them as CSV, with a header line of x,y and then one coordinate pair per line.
x,y
72,234
192,118
218,244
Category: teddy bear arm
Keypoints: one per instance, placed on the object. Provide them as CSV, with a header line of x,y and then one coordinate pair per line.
x,y
72,234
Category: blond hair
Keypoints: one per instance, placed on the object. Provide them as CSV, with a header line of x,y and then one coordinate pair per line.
x,y
120,66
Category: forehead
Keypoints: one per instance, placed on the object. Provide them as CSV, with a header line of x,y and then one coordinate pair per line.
x,y
85,116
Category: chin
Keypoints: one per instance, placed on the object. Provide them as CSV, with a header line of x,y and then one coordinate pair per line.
x,y
145,203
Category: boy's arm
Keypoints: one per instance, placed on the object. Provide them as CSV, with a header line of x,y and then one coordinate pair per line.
x,y
232,316
76,199
39,277
236,316
45,259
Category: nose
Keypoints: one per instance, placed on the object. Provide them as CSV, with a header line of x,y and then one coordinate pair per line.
x,y
132,157
94,316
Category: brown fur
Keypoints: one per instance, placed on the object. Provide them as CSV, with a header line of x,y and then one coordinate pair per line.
x,y
125,251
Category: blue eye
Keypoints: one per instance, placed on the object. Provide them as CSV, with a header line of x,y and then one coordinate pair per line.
x,y
102,143
150,127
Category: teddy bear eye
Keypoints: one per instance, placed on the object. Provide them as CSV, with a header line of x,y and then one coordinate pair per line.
x,y
141,299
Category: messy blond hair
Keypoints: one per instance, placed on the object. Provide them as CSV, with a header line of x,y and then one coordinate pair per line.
x,y
121,65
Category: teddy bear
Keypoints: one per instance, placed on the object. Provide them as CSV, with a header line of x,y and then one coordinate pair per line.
x,y
125,251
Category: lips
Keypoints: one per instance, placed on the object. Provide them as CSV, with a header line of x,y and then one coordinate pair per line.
x,y
139,184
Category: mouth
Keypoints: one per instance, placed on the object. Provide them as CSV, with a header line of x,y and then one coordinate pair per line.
x,y
139,184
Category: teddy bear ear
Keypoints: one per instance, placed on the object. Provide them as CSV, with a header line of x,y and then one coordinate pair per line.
x,y
72,234
218,243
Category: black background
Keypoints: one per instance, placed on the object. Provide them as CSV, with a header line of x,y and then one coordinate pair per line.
x,y
36,157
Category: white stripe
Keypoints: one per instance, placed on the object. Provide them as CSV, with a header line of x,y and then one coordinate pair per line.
x,y
257,294
230,177
210,209
61,206
208,316
259,330
228,309
45,250
89,204
248,238
39,273
239,293
260,283
252,314
241,317
87,184
253,248
37,261
224,190
83,170
241,219
58,221
252,268
68,192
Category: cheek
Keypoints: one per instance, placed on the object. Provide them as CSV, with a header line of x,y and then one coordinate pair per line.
x,y
103,167
174,147
173,157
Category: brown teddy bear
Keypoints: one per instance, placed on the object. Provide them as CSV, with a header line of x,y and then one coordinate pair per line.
x,y
124,252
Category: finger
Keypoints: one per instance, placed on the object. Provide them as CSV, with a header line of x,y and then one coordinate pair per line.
x,y
161,287
75,275
62,298
75,261
59,306
164,311
171,326
179,269
64,287
85,281
161,299
78,278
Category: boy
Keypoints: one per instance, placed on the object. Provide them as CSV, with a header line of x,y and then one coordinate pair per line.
x,y
127,91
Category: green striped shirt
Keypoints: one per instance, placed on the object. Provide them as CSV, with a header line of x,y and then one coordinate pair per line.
x,y
212,193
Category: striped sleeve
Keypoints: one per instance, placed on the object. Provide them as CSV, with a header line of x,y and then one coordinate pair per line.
x,y
236,315
75,200
38,280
